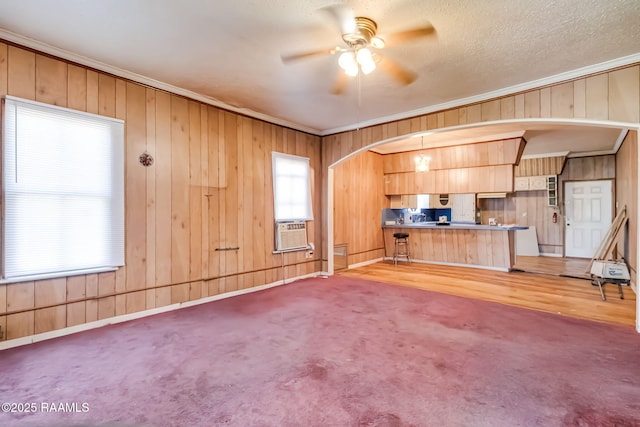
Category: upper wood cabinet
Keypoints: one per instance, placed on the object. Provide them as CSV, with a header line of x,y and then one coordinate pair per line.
x,y
528,183
487,179
501,152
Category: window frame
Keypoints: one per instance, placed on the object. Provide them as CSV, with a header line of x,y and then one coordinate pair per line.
x,y
308,205
114,222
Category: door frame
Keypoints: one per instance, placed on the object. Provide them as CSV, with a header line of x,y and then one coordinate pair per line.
x,y
563,210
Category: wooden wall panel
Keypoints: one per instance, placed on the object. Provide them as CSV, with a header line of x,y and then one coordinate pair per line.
x,y
358,202
590,168
627,195
210,187
540,166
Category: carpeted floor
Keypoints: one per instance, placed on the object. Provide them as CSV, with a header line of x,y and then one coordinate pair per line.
x,y
332,352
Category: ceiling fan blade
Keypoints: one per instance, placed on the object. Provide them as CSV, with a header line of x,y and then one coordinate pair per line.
x,y
340,84
401,74
344,16
408,35
308,54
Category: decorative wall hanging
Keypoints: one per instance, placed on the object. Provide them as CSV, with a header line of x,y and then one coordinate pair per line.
x,y
146,159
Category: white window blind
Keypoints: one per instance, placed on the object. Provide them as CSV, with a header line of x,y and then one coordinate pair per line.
x,y
291,187
63,191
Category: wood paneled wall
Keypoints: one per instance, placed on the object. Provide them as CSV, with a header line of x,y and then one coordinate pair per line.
x,y
210,187
530,207
612,95
358,203
540,166
627,194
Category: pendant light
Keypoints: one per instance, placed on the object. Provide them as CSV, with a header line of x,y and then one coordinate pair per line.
x,y
422,161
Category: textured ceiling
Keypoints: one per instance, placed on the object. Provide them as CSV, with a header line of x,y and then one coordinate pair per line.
x,y
230,50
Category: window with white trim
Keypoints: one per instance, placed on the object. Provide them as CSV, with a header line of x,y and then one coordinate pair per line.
x,y
62,191
291,187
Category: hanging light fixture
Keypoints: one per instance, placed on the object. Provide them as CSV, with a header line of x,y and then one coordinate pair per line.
x,y
422,161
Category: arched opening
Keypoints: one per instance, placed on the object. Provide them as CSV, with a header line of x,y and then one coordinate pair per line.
x,y
575,139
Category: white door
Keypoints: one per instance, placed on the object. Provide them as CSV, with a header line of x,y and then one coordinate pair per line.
x,y
588,216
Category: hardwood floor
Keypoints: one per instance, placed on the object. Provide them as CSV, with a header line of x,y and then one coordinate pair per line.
x,y
569,267
562,295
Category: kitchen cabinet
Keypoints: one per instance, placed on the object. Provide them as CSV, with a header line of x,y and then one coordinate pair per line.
x,y
463,207
404,201
552,190
529,183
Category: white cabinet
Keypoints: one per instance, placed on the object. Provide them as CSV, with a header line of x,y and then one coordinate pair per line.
x,y
528,183
463,207
552,190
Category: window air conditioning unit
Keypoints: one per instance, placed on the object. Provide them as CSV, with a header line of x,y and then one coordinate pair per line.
x,y
291,235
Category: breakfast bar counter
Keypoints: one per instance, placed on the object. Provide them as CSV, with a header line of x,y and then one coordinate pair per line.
x,y
480,246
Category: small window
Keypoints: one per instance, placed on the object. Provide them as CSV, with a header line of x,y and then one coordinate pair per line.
x,y
63,191
291,187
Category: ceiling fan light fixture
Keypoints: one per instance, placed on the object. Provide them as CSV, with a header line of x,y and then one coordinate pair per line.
x,y
348,63
365,59
377,42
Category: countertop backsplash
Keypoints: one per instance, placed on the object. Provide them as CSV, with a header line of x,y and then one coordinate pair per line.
x,y
412,216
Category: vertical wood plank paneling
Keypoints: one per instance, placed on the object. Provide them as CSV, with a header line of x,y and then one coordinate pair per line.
x,y
596,97
49,319
519,112
545,102
21,73
4,62
213,198
179,195
491,110
20,325
562,100
258,215
76,291
91,287
195,192
163,167
136,193
106,95
77,88
507,108
76,313
624,95
532,104
580,99
229,202
245,200
150,196
50,292
204,195
51,81
92,92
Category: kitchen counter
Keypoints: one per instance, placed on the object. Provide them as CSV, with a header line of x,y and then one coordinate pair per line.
x,y
458,226
462,244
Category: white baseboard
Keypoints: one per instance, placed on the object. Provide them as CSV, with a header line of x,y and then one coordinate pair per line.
x,y
551,255
452,264
140,314
364,263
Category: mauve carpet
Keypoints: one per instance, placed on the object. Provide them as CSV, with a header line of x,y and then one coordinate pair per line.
x,y
333,352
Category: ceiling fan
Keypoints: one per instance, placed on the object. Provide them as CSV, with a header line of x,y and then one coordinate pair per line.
x,y
362,45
